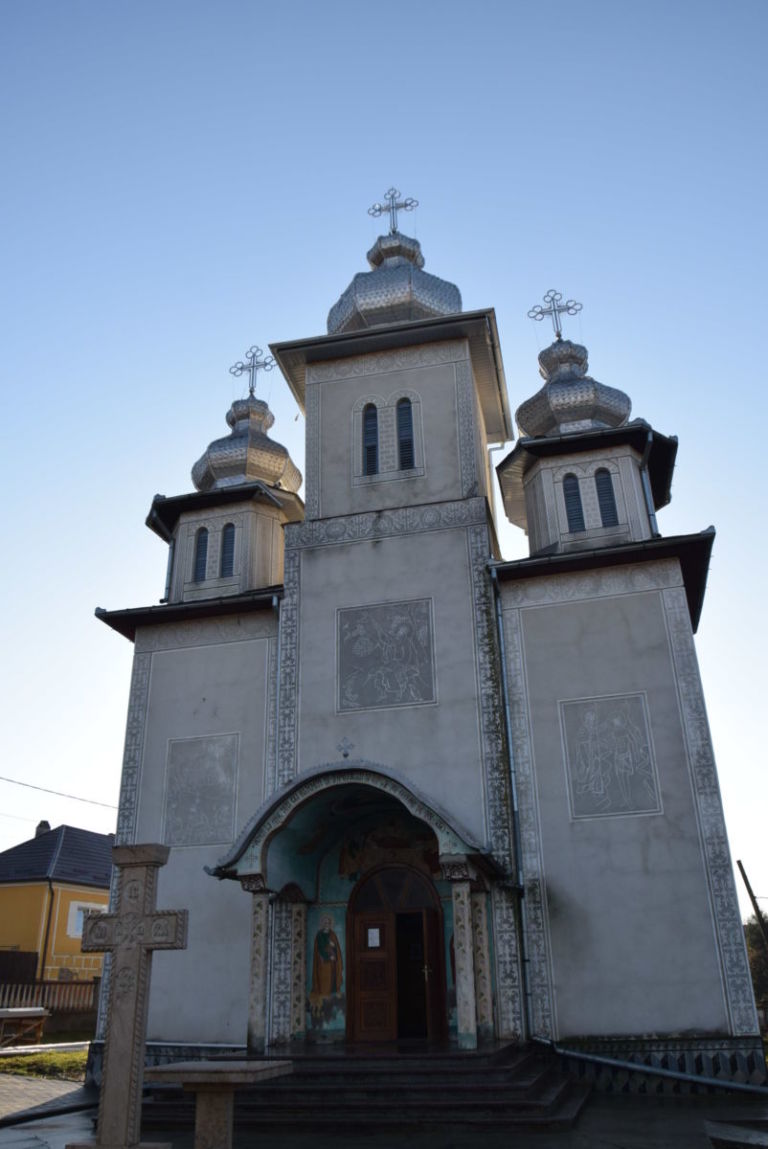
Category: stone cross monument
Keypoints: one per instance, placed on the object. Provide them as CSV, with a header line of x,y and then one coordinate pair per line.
x,y
130,935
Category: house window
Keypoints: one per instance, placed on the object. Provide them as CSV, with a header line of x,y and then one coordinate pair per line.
x,y
201,555
370,440
573,508
606,499
405,457
228,551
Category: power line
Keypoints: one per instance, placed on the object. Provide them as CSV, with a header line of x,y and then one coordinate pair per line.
x,y
58,793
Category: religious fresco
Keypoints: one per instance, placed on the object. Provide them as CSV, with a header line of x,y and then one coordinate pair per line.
x,y
385,655
398,839
609,757
327,1002
200,791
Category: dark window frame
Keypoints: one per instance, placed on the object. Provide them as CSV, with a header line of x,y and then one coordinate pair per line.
x,y
573,507
200,562
370,439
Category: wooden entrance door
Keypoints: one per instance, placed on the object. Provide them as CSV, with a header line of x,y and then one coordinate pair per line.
x,y
397,982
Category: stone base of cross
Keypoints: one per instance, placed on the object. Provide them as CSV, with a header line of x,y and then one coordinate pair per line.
x,y
130,935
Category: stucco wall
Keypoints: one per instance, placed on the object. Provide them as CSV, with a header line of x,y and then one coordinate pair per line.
x,y
614,853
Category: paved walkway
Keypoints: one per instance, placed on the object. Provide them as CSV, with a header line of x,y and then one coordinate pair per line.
x,y
19,1094
609,1122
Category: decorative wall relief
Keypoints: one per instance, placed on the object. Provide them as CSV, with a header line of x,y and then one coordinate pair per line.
x,y
609,757
200,790
386,655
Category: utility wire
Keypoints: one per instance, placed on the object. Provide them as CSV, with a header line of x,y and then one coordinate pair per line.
x,y
58,793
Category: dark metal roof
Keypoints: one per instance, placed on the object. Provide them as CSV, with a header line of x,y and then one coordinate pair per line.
x,y
662,451
126,622
693,552
65,854
477,327
165,512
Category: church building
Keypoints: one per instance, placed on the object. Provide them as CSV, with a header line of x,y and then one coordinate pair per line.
x,y
413,791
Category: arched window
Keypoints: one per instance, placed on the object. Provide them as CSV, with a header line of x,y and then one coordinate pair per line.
x,y
606,499
573,507
370,440
405,457
227,551
201,555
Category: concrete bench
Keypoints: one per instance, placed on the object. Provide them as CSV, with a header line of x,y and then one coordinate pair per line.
x,y
24,1021
214,1084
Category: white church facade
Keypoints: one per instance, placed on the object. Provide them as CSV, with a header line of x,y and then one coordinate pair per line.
x,y
413,791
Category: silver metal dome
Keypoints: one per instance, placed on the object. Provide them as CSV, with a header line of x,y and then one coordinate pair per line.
x,y
247,454
394,291
570,400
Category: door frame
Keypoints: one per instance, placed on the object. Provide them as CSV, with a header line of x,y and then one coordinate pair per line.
x,y
438,988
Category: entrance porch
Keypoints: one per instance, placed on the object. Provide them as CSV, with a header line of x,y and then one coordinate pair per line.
x,y
372,917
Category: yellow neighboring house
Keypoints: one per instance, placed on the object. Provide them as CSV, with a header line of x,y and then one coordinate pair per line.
x,y
46,886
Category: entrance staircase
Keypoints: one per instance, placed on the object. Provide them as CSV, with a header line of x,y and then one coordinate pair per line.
x,y
497,1087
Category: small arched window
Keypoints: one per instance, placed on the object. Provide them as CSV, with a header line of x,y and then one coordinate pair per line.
x,y
606,499
573,508
370,440
405,456
201,555
227,568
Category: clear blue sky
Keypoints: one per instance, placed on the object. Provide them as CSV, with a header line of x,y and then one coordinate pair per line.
x,y
182,179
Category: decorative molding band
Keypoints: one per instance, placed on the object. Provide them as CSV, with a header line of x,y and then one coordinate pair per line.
x,y
385,362
384,524
535,925
709,812
482,964
492,735
312,454
288,673
270,754
510,1024
298,970
630,579
206,632
138,702
731,1059
466,1005
465,411
281,973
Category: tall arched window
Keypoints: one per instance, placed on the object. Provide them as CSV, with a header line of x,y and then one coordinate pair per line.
x,y
573,507
370,440
606,499
405,458
227,568
201,555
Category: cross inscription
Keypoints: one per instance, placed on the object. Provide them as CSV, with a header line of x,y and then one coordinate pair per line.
x,y
554,308
393,205
130,935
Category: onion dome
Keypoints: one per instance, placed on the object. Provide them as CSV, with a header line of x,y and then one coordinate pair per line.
x,y
570,400
247,455
394,291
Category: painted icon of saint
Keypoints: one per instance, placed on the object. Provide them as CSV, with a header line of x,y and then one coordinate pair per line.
x,y
327,963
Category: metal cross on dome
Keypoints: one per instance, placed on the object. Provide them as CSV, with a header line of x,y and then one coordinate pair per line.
x,y
255,363
393,205
555,308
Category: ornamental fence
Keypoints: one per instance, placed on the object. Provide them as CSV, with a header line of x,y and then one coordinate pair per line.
x,y
57,996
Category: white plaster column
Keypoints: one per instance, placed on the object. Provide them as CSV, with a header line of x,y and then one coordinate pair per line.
x,y
466,1008
257,994
482,964
299,971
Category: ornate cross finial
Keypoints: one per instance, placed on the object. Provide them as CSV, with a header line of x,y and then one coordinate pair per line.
x,y
255,363
393,205
555,309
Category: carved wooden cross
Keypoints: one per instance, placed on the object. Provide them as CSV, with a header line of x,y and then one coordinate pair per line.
x,y
130,935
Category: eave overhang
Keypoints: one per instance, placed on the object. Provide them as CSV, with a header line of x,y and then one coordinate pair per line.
x,y
165,512
127,622
659,453
692,551
478,327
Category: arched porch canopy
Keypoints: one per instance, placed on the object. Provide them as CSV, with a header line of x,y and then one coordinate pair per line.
x,y
284,841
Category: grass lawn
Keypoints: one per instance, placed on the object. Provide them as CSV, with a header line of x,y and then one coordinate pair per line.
x,y
67,1066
